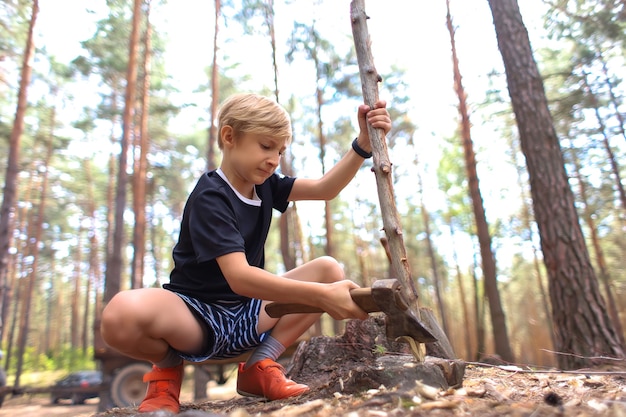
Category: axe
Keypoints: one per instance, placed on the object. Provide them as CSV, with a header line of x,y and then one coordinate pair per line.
x,y
385,296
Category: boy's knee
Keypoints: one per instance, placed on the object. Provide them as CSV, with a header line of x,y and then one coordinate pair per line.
x,y
115,316
331,269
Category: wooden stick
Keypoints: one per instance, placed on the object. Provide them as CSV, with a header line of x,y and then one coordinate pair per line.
x,y
382,166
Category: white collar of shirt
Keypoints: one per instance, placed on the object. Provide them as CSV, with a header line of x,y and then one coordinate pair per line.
x,y
254,201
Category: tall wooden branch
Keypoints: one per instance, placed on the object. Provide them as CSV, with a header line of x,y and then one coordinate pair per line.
x,y
382,166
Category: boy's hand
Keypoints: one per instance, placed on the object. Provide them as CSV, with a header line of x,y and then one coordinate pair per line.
x,y
378,117
338,303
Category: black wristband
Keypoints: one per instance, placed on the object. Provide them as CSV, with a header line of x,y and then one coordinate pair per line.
x,y
360,151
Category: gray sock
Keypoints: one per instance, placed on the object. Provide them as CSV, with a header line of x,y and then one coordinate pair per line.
x,y
270,348
170,360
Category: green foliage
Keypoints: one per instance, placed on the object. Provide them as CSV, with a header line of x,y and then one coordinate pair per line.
x,y
64,359
73,359
379,350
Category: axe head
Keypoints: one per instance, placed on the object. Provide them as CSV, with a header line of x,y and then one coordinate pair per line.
x,y
401,320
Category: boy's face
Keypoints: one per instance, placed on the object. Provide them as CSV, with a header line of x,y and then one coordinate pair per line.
x,y
253,157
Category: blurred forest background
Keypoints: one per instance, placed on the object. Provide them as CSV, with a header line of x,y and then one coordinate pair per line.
x,y
101,143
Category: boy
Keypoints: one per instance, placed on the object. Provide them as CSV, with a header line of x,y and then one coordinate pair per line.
x,y
213,306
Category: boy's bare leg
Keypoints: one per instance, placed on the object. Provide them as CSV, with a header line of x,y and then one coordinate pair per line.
x,y
144,323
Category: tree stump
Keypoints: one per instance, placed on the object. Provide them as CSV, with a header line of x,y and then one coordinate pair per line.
x,y
363,359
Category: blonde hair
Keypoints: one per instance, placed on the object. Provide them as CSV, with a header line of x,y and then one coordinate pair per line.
x,y
252,113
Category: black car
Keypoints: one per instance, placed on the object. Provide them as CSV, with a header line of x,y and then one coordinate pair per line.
x,y
77,387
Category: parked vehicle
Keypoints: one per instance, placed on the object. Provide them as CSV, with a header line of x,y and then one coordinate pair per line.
x,y
77,387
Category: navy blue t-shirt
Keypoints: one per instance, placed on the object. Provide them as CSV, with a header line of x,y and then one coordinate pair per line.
x,y
216,222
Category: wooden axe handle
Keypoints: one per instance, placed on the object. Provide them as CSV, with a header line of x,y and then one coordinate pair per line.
x,y
361,296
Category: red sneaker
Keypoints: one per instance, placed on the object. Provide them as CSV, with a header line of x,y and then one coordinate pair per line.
x,y
163,389
267,379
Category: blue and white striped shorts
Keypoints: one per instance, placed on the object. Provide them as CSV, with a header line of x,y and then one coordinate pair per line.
x,y
233,325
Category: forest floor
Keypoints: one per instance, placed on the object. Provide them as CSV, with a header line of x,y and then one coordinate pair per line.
x,y
486,391
363,374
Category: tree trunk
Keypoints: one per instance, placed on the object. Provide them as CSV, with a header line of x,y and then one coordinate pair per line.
x,y
433,261
110,215
141,166
526,222
14,324
201,377
75,298
37,222
479,314
87,303
604,131
462,298
588,215
498,319
615,101
328,216
12,171
15,284
215,95
584,330
290,236
94,259
114,264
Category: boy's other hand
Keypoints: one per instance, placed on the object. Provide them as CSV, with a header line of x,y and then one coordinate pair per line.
x,y
338,302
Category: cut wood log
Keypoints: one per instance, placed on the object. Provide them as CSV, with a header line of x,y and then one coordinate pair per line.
x,y
363,358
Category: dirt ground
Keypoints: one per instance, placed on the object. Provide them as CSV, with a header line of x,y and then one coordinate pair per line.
x,y
40,406
487,391
350,378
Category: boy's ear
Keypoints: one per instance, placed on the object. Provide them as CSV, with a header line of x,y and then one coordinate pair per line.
x,y
227,135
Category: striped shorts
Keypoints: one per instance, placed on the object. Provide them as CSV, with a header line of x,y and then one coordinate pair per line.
x,y
232,324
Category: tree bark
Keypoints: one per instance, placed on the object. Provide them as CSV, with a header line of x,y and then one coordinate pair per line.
x,y
12,171
431,255
588,217
462,299
585,334
15,285
114,263
141,165
604,131
526,222
498,319
215,95
94,258
290,236
37,222
75,297
328,215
